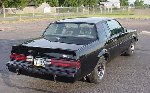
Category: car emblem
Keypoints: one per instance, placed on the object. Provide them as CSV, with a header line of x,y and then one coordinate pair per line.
x,y
58,38
30,51
65,56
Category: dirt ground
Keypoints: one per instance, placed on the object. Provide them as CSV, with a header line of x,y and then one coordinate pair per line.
x,y
123,74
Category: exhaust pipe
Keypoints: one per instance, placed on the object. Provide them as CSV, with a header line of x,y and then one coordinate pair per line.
x,y
18,71
55,78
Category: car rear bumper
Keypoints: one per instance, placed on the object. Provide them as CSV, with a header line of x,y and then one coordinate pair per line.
x,y
47,69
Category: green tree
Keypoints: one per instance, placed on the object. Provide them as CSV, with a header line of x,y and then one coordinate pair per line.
x,y
15,3
139,3
36,2
19,3
53,3
124,2
61,2
70,3
5,3
90,2
77,3
98,1
67,3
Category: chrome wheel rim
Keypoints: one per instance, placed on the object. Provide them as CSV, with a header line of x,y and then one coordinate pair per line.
x,y
101,70
132,48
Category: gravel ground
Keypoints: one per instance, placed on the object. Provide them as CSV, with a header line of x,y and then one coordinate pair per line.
x,y
124,74
25,30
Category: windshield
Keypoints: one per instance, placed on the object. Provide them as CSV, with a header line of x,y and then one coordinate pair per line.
x,y
71,30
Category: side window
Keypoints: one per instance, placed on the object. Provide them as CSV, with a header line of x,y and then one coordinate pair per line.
x,y
107,31
101,31
114,27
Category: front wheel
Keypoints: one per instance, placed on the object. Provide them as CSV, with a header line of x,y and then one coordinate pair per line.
x,y
98,73
130,49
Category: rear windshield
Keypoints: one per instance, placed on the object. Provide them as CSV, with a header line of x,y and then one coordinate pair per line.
x,y
71,30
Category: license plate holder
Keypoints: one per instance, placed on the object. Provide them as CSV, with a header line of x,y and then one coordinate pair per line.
x,y
39,62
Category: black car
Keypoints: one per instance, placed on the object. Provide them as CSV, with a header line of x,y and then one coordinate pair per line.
x,y
74,48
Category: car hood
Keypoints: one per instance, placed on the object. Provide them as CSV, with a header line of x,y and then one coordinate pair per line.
x,y
44,43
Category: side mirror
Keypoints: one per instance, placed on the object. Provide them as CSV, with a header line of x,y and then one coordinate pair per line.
x,y
124,29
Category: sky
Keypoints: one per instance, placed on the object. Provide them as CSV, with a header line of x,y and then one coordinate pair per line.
x,y
145,1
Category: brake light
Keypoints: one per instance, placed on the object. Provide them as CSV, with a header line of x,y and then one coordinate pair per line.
x,y
18,57
64,63
13,56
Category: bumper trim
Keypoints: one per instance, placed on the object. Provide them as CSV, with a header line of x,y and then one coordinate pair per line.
x,y
48,69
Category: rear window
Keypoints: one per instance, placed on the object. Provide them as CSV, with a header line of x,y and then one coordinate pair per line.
x,y
72,29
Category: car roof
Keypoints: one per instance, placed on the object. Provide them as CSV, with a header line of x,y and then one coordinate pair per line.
x,y
93,20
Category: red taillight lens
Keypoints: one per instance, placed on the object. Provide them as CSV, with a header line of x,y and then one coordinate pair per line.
x,y
18,57
13,56
64,63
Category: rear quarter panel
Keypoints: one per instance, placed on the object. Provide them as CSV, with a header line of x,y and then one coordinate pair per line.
x,y
88,57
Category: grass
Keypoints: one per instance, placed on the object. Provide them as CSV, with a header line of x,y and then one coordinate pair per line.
x,y
31,17
132,16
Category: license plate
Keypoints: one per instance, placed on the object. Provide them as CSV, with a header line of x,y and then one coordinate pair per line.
x,y
40,62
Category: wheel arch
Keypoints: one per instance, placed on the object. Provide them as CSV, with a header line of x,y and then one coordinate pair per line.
x,y
135,38
104,53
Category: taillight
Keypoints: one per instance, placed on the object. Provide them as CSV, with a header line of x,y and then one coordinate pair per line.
x,y
64,63
13,56
18,57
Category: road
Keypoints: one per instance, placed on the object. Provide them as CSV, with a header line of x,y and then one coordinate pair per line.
x,y
123,75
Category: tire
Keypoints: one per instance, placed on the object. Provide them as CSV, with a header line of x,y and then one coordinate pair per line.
x,y
130,49
97,74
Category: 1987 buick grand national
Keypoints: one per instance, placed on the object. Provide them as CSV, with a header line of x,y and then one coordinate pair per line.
x,y
75,48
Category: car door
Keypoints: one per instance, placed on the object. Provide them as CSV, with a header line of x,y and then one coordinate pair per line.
x,y
118,34
111,40
124,38
115,38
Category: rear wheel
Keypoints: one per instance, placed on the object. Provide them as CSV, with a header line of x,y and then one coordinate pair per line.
x,y
98,73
